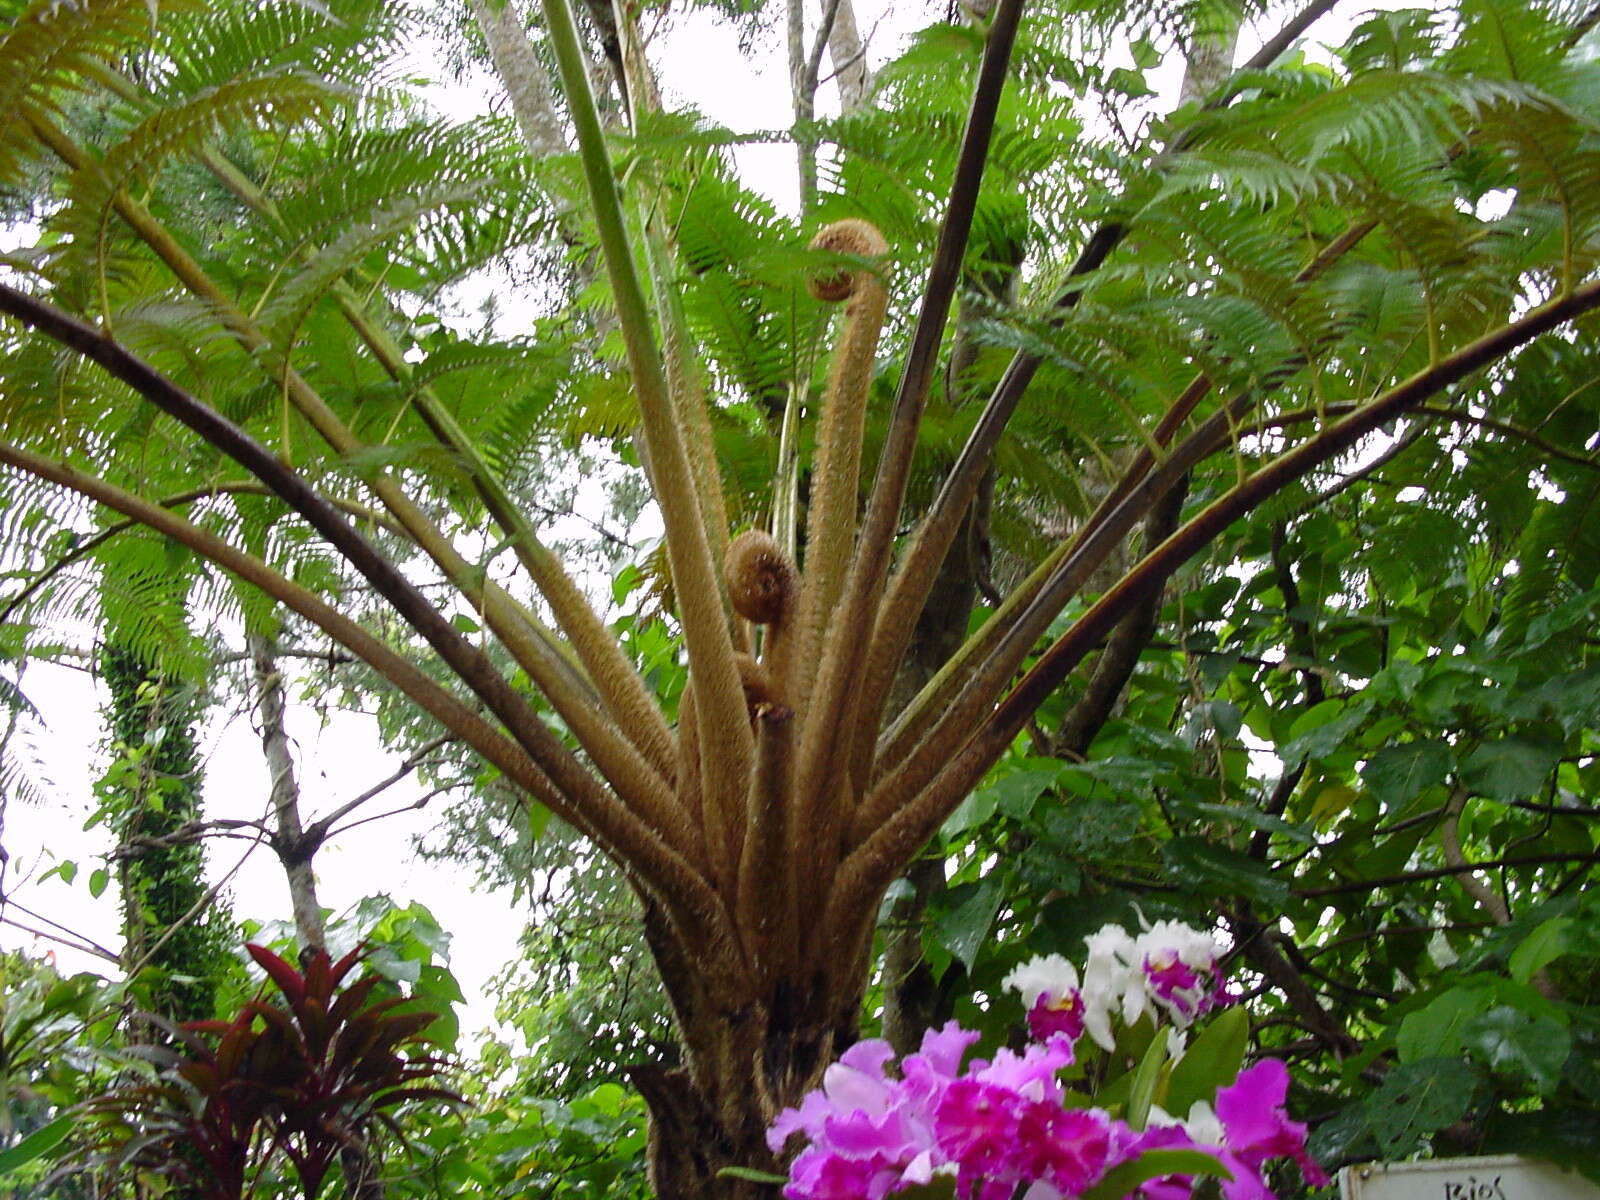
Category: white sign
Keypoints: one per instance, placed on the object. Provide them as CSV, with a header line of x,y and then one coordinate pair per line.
x,y
1503,1177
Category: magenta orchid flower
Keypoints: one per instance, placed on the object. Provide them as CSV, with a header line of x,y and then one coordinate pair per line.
x,y
1001,1127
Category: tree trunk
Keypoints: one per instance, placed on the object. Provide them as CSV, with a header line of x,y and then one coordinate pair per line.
x,y
1209,59
849,58
168,922
526,81
289,840
749,1051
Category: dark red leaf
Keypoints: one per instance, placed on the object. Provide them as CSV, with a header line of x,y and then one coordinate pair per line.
x,y
290,982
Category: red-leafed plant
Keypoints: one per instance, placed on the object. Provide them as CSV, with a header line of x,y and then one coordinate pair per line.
x,y
307,1079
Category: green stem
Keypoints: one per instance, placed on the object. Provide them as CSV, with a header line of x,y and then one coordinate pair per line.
x,y
726,739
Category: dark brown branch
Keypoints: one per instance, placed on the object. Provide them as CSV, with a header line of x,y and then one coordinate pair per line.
x,y
1328,444
939,525
322,825
1491,864
89,544
1259,944
1396,931
1126,644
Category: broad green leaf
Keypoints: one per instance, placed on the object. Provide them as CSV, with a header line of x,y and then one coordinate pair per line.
x,y
963,931
1436,1030
1540,948
1210,1062
1142,1092
1214,870
608,1099
1417,1099
1510,1041
98,879
1320,731
1564,1136
975,810
755,1176
1397,774
37,1144
1511,768
1221,717
1255,819
1333,800
1016,794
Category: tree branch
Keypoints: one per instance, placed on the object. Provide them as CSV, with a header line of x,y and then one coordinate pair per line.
x,y
90,544
1462,868
557,764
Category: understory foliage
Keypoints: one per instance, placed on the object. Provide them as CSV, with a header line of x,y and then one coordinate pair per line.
x,y
1191,518
289,1088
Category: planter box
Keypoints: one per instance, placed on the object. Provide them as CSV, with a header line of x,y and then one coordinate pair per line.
x,y
1502,1177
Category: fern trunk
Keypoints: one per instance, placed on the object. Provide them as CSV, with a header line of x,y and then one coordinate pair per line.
x,y
750,1049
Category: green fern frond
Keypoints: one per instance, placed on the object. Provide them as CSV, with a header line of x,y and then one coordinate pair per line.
x,y
276,102
52,49
335,40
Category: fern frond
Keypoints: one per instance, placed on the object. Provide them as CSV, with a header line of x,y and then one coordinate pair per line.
x,y
53,49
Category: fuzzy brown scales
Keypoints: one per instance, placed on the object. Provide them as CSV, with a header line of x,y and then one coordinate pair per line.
x,y
761,578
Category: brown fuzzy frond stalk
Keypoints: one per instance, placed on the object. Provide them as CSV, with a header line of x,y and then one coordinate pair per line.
x,y
765,913
836,472
724,822
757,683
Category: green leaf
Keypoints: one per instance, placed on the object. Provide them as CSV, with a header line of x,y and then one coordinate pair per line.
x,y
1214,870
1142,1093
751,1174
963,931
1435,1031
37,1144
1511,768
1016,794
1510,1041
1397,774
1540,948
98,879
1212,1061
1255,819
1332,801
975,810
1221,717
1319,731
1121,1180
1417,1099
1563,1136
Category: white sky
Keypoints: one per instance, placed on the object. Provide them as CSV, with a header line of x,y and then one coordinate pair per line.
x,y
701,65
